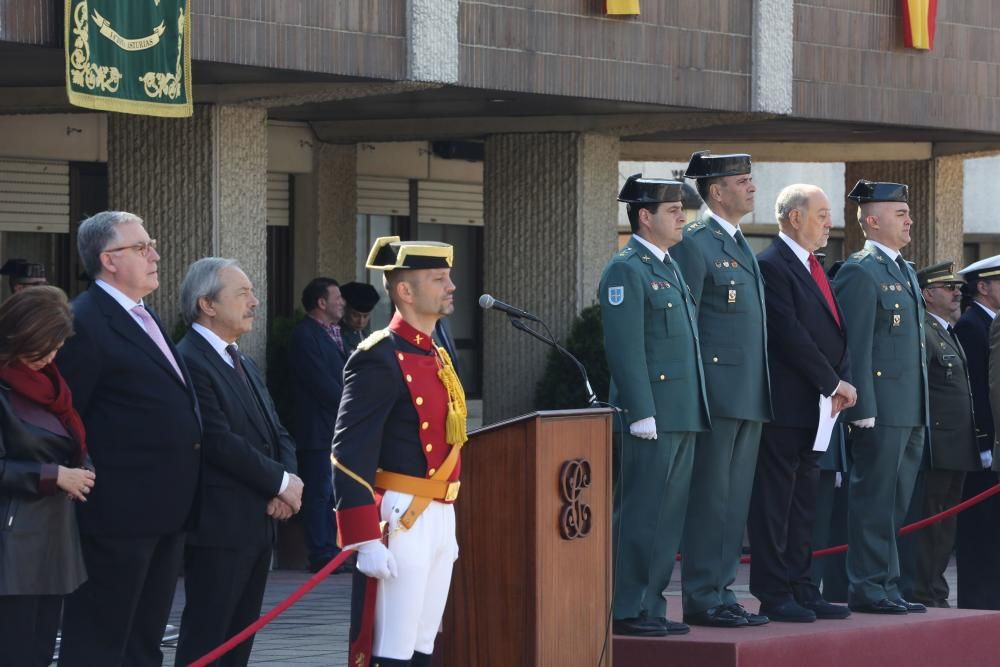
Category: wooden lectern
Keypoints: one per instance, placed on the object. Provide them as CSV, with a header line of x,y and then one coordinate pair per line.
x,y
532,584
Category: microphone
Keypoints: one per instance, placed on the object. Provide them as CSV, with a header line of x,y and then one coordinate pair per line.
x,y
486,302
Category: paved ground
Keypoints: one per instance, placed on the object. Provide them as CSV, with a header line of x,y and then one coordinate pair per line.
x,y
314,631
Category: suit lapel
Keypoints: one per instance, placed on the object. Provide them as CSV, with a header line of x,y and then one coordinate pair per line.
x,y
803,275
230,377
123,324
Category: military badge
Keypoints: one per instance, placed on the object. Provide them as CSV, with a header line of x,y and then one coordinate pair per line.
x,y
732,296
616,295
896,320
655,285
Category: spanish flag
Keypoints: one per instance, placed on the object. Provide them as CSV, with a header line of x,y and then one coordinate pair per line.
x,y
919,22
621,7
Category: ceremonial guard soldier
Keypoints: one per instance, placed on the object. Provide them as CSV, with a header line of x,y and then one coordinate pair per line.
x,y
651,342
721,270
396,455
361,299
951,451
884,317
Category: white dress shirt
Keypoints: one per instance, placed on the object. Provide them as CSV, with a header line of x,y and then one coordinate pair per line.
x,y
893,254
730,228
799,251
944,323
989,312
659,254
126,302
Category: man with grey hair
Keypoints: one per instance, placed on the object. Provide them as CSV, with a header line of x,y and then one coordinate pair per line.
x,y
134,393
807,349
248,479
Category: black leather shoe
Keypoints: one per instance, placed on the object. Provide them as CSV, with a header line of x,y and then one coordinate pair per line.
x,y
639,627
752,619
673,627
824,610
880,607
912,607
788,611
715,617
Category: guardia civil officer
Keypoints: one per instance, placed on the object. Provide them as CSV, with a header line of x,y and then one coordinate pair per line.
x,y
724,277
951,451
399,431
651,342
884,317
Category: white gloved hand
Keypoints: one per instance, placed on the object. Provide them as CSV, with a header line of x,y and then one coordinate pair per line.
x,y
375,560
864,423
838,480
644,428
987,459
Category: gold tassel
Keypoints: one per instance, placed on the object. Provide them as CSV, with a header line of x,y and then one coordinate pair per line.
x,y
455,432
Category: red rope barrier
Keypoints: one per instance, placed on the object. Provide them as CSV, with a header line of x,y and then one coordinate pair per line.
x,y
246,633
916,525
313,581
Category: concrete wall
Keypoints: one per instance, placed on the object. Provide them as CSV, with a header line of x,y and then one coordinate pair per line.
x,y
982,216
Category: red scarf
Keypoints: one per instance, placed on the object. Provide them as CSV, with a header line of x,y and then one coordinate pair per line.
x,y
47,388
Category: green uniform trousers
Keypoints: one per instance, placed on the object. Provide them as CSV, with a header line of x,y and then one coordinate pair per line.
x,y
886,462
724,464
651,480
829,573
931,546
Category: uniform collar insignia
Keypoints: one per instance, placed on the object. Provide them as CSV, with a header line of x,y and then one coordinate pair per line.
x,y
407,332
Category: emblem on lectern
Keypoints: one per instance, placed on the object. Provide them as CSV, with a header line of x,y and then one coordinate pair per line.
x,y
575,517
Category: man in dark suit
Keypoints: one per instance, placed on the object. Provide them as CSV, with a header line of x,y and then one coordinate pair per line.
x,y
316,358
807,351
248,478
951,451
883,314
978,540
132,389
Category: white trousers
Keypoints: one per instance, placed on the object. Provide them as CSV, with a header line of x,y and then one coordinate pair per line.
x,y
409,607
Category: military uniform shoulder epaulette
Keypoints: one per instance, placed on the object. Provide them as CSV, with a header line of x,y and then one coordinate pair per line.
x,y
859,255
373,339
625,252
695,226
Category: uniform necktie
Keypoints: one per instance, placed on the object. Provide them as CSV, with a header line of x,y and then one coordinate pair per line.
x,y
153,331
819,276
741,241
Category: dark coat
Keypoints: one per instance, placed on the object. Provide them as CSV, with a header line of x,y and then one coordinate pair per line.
x,y
316,374
952,445
143,424
246,449
807,349
973,331
39,541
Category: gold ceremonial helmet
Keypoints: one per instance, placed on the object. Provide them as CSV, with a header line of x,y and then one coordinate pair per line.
x,y
390,253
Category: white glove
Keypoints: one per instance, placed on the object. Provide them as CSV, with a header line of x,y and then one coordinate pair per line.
x,y
865,423
838,480
375,560
644,428
987,459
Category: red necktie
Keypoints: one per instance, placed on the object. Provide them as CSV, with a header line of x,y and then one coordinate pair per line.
x,y
819,275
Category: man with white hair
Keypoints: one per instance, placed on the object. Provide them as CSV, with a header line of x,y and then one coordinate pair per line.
x,y
807,350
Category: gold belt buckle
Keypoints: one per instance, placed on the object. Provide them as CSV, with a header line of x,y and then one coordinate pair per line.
x,y
452,492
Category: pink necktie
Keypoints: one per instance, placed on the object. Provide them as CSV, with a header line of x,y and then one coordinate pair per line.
x,y
154,332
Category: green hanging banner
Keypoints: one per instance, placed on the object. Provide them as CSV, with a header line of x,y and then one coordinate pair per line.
x,y
130,56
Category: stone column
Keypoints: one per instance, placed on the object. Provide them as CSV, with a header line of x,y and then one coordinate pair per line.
x,y
919,175
200,185
550,215
949,219
337,210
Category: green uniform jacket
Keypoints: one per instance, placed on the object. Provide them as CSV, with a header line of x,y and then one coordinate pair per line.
x,y
884,317
953,429
730,299
651,341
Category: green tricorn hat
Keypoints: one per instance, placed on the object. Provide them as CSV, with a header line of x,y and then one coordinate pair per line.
x,y
869,191
705,165
938,274
639,190
389,253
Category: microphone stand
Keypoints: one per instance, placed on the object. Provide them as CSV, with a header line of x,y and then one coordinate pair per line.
x,y
548,339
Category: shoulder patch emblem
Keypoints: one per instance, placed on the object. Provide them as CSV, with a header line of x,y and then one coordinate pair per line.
x,y
616,295
373,339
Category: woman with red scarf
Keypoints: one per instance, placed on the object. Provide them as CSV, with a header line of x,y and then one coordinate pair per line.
x,y
43,468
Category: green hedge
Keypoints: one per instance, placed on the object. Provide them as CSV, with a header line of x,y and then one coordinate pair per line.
x,y
561,387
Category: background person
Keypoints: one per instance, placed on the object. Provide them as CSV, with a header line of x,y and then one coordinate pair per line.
x,y
43,459
360,300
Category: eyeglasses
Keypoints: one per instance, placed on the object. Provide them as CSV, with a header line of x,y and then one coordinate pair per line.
x,y
143,247
949,287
